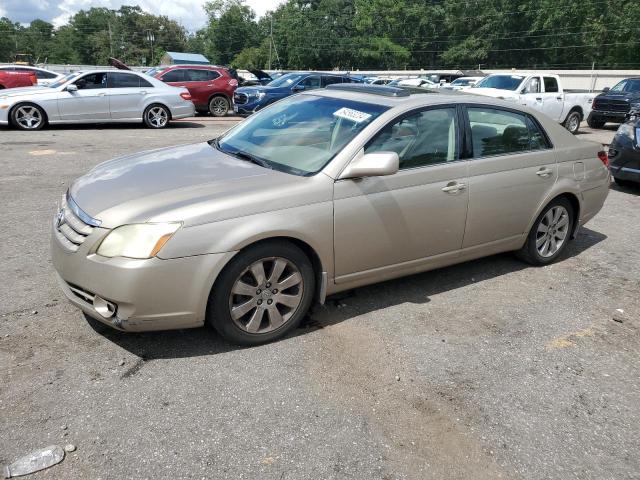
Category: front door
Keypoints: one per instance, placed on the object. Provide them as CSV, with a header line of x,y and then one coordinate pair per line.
x,y
512,171
552,99
414,214
89,102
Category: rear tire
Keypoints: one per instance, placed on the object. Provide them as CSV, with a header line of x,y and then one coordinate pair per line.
x,y
549,234
572,122
156,116
595,123
262,294
219,106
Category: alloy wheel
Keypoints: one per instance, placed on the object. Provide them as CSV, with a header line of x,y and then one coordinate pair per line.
x,y
552,232
219,106
28,117
157,117
266,295
574,123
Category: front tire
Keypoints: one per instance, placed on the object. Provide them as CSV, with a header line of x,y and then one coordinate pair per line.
x,y
572,122
218,106
262,294
549,234
156,116
28,116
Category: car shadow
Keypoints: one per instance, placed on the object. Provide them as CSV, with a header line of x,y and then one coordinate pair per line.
x,y
416,289
633,189
122,126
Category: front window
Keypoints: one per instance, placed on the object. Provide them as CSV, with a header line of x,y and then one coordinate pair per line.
x,y
286,80
92,81
299,135
63,80
461,82
628,85
501,82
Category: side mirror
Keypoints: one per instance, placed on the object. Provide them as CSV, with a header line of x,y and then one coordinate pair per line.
x,y
605,89
298,88
71,88
377,164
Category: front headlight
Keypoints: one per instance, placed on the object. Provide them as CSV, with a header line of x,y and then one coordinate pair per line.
x,y
142,240
625,130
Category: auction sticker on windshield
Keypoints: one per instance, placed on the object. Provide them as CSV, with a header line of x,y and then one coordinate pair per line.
x,y
353,115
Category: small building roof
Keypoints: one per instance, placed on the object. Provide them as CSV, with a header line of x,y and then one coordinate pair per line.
x,y
187,57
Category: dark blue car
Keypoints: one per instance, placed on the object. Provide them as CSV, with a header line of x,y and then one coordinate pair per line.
x,y
247,100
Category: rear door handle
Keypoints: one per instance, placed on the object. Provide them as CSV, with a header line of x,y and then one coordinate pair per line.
x,y
143,92
101,94
543,172
539,99
454,187
558,98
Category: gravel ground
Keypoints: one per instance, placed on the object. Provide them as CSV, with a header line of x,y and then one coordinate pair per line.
x,y
486,370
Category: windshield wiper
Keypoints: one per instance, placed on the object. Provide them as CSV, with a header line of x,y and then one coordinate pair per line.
x,y
250,158
241,155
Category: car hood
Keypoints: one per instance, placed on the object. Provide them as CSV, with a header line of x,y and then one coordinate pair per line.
x,y
493,92
628,96
193,184
25,91
266,89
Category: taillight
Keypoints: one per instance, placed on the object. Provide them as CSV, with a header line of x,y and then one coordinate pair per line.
x,y
186,96
604,158
233,82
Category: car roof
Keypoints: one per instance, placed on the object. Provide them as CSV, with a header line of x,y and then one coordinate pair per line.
x,y
195,65
416,98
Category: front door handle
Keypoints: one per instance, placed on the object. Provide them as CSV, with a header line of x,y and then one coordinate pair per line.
x,y
558,98
454,187
543,172
539,99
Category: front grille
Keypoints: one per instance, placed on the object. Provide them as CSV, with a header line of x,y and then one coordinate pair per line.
x,y
70,229
81,293
240,98
611,105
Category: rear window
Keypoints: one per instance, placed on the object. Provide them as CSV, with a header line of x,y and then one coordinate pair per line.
x,y
550,84
125,80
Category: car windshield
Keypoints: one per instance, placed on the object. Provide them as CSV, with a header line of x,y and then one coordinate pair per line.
x,y
300,134
153,71
629,85
286,80
501,82
63,80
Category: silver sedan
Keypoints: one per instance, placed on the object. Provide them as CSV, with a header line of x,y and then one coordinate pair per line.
x,y
97,96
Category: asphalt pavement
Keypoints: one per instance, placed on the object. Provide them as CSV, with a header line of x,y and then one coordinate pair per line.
x,y
487,370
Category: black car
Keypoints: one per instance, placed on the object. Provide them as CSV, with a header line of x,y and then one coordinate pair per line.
x,y
624,151
613,105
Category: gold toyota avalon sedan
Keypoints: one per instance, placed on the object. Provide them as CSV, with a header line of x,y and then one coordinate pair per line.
x,y
321,192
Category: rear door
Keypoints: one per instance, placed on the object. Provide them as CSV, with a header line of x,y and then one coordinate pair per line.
x,y
89,102
512,171
552,99
418,212
127,93
200,83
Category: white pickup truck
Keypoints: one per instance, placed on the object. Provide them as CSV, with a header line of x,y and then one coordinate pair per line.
x,y
542,91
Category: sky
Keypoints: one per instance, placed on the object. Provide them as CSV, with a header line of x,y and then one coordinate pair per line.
x,y
188,12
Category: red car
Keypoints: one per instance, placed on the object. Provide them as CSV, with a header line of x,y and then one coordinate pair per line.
x,y
11,79
211,87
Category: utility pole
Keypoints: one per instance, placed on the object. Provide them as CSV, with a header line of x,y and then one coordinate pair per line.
x,y
110,39
151,37
270,41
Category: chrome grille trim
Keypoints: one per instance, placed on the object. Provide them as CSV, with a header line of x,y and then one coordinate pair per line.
x,y
240,98
72,226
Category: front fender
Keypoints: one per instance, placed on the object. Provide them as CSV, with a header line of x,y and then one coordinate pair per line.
x,y
311,224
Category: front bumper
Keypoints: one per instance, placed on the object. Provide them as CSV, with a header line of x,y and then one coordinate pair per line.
x,y
603,116
625,164
151,294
